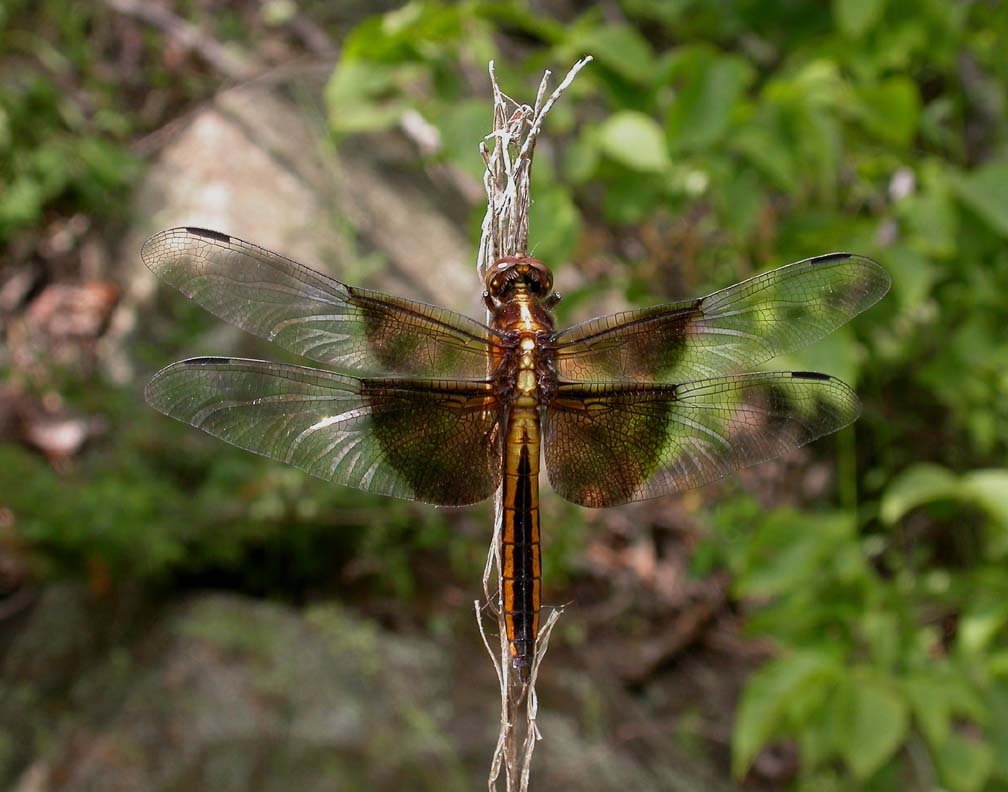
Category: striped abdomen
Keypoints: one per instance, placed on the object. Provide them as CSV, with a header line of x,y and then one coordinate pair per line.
x,y
520,536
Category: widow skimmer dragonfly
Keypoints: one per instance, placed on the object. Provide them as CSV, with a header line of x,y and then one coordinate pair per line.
x,y
433,406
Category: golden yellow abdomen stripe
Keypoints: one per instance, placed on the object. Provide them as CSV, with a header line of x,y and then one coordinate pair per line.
x,y
520,536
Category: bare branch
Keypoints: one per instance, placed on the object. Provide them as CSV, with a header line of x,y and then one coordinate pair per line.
x,y
186,34
507,180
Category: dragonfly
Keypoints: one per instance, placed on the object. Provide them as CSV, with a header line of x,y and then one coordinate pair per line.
x,y
422,403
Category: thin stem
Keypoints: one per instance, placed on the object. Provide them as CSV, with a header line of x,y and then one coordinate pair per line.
x,y
507,180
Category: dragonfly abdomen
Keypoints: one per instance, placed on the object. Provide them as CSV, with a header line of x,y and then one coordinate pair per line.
x,y
520,536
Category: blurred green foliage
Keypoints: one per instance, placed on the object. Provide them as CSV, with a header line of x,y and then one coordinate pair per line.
x,y
744,135
165,508
64,128
707,142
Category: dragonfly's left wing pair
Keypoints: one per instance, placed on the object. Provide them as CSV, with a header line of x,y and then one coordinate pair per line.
x,y
432,432
421,420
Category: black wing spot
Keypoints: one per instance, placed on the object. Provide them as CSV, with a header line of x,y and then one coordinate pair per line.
x,y
811,375
206,233
207,361
830,257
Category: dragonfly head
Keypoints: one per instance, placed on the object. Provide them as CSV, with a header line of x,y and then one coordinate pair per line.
x,y
509,272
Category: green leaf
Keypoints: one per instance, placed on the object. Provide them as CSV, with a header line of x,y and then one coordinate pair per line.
x,y
631,196
789,550
913,276
818,141
931,218
740,202
462,126
764,144
917,485
989,488
979,625
938,694
985,191
882,633
416,31
878,725
581,158
635,140
362,97
670,12
964,763
888,109
703,108
823,727
997,731
854,17
520,17
930,707
622,49
768,697
20,204
554,222
5,131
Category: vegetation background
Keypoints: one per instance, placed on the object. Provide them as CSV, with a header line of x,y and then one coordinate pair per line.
x,y
834,620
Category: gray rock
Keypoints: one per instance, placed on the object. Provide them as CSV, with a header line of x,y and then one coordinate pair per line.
x,y
256,164
226,693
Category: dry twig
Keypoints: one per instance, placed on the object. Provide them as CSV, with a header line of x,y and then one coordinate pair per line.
x,y
505,232
226,61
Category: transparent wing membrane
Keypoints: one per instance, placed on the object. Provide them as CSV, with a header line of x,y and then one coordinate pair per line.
x,y
610,443
731,330
436,441
354,330
642,403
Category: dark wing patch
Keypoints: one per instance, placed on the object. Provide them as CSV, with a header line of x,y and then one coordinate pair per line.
x,y
206,233
436,441
827,258
610,443
207,361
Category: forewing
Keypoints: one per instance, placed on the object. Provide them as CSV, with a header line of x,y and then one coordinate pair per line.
x,y
731,330
352,329
610,443
436,441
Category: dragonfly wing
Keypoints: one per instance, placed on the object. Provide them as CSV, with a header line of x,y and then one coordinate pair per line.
x,y
610,443
436,441
731,330
355,330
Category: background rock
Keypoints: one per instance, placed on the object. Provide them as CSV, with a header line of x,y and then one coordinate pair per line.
x,y
256,164
225,693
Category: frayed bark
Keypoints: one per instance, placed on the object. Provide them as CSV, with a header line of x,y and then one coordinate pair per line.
x,y
507,180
